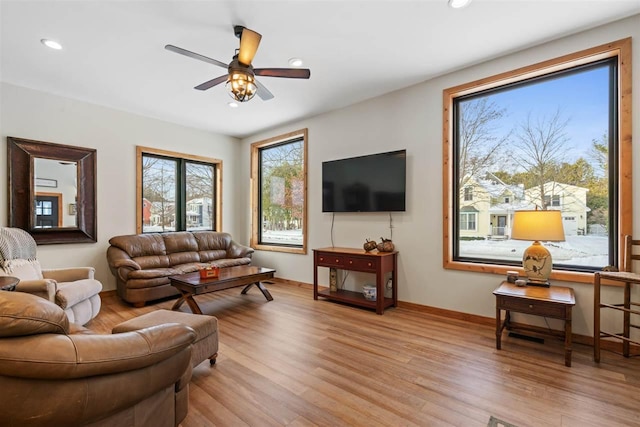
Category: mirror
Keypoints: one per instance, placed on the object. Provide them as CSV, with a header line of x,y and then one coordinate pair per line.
x,y
52,191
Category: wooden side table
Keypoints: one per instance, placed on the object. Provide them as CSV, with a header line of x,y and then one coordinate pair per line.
x,y
555,302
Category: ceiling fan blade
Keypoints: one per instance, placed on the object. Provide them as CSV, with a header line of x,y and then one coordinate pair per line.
x,y
194,55
263,92
249,41
211,83
290,73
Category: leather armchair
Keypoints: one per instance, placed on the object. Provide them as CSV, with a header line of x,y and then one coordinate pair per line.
x,y
73,289
52,374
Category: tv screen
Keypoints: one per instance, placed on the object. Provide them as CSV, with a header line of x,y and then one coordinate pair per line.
x,y
373,183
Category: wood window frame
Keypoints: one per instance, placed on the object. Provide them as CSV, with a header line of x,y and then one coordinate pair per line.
x,y
140,151
620,49
255,202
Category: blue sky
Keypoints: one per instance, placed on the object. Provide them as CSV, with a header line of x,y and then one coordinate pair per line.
x,y
581,97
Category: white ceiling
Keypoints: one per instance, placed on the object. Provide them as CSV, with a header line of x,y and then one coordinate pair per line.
x,y
114,52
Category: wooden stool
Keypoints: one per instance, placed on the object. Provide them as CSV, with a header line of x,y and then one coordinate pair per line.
x,y
206,328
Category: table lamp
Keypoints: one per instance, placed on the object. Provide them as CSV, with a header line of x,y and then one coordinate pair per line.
x,y
537,225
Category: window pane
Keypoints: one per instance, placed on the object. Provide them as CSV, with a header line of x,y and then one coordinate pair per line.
x,y
541,144
159,177
282,193
200,207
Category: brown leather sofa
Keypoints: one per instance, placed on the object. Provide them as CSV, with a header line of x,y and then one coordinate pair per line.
x,y
142,263
53,373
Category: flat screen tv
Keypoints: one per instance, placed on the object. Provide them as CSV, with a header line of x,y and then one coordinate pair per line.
x,y
373,183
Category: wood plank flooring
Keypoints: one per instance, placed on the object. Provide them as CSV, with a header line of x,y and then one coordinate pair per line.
x,y
299,362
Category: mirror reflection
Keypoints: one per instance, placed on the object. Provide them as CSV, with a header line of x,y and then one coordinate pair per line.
x,y
55,193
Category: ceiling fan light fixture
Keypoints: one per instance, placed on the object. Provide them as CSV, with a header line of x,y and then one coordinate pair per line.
x,y
241,86
459,4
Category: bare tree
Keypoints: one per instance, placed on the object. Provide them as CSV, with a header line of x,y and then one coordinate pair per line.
x,y
541,144
479,141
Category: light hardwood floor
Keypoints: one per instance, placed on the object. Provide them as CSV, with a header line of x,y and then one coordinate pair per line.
x,y
299,362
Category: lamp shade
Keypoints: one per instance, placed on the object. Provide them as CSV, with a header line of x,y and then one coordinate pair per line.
x,y
538,225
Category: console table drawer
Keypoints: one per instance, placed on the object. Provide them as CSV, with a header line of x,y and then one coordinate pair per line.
x,y
330,260
539,308
360,264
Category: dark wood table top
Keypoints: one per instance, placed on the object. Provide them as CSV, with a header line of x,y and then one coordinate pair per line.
x,y
226,274
8,283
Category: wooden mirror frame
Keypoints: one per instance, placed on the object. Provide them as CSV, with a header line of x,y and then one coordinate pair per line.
x,y
20,158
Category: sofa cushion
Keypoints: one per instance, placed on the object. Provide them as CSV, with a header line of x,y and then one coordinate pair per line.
x,y
212,241
137,245
72,293
180,241
152,273
212,255
153,261
25,314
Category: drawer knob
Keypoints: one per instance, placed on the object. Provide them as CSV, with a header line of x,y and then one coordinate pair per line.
x,y
350,262
369,264
530,305
321,259
337,260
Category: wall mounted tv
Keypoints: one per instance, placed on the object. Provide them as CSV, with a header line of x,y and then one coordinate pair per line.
x,y
373,183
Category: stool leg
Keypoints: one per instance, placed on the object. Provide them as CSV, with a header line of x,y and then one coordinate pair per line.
x,y
212,359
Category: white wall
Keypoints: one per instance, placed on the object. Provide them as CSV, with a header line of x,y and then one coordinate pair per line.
x,y
412,119
30,114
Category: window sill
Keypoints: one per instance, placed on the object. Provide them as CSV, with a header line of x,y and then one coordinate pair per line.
x,y
286,249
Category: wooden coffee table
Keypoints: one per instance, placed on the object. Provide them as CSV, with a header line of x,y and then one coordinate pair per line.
x,y
191,284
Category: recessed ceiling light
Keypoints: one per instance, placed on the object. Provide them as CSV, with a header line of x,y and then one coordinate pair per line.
x,y
295,62
458,4
232,104
52,44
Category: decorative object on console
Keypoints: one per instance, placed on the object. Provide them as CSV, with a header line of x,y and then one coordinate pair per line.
x,y
369,292
537,225
386,245
370,245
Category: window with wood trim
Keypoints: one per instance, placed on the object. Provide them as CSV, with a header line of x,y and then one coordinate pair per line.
x,y
279,193
177,192
554,135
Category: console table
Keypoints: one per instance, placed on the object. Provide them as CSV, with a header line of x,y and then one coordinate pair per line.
x,y
378,263
555,302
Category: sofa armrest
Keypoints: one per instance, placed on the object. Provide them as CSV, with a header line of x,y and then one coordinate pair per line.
x,y
44,288
109,373
86,355
120,263
69,274
236,250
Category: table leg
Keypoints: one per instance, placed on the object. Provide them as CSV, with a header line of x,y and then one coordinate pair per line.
x,y
178,303
498,328
567,337
260,286
193,305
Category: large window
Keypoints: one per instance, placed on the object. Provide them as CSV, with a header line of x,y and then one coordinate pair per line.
x,y
279,193
177,191
555,135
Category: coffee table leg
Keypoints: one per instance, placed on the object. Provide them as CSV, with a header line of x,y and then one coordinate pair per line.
x,y
260,286
178,303
193,305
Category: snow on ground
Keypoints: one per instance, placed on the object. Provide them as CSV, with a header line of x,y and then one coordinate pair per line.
x,y
575,250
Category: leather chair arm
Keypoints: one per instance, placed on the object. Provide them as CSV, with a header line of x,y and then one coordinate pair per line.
x,y
59,356
236,250
69,274
84,400
120,263
44,288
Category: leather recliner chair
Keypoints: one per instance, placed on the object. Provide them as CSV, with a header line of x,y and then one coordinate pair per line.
x,y
56,374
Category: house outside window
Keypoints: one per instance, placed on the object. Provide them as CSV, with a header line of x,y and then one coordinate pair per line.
x,y
279,193
468,194
467,221
541,156
177,192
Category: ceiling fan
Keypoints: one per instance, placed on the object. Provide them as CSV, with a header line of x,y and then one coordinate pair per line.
x,y
240,76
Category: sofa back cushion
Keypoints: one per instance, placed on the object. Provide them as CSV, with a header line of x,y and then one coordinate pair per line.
x,y
140,245
25,314
212,245
182,247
